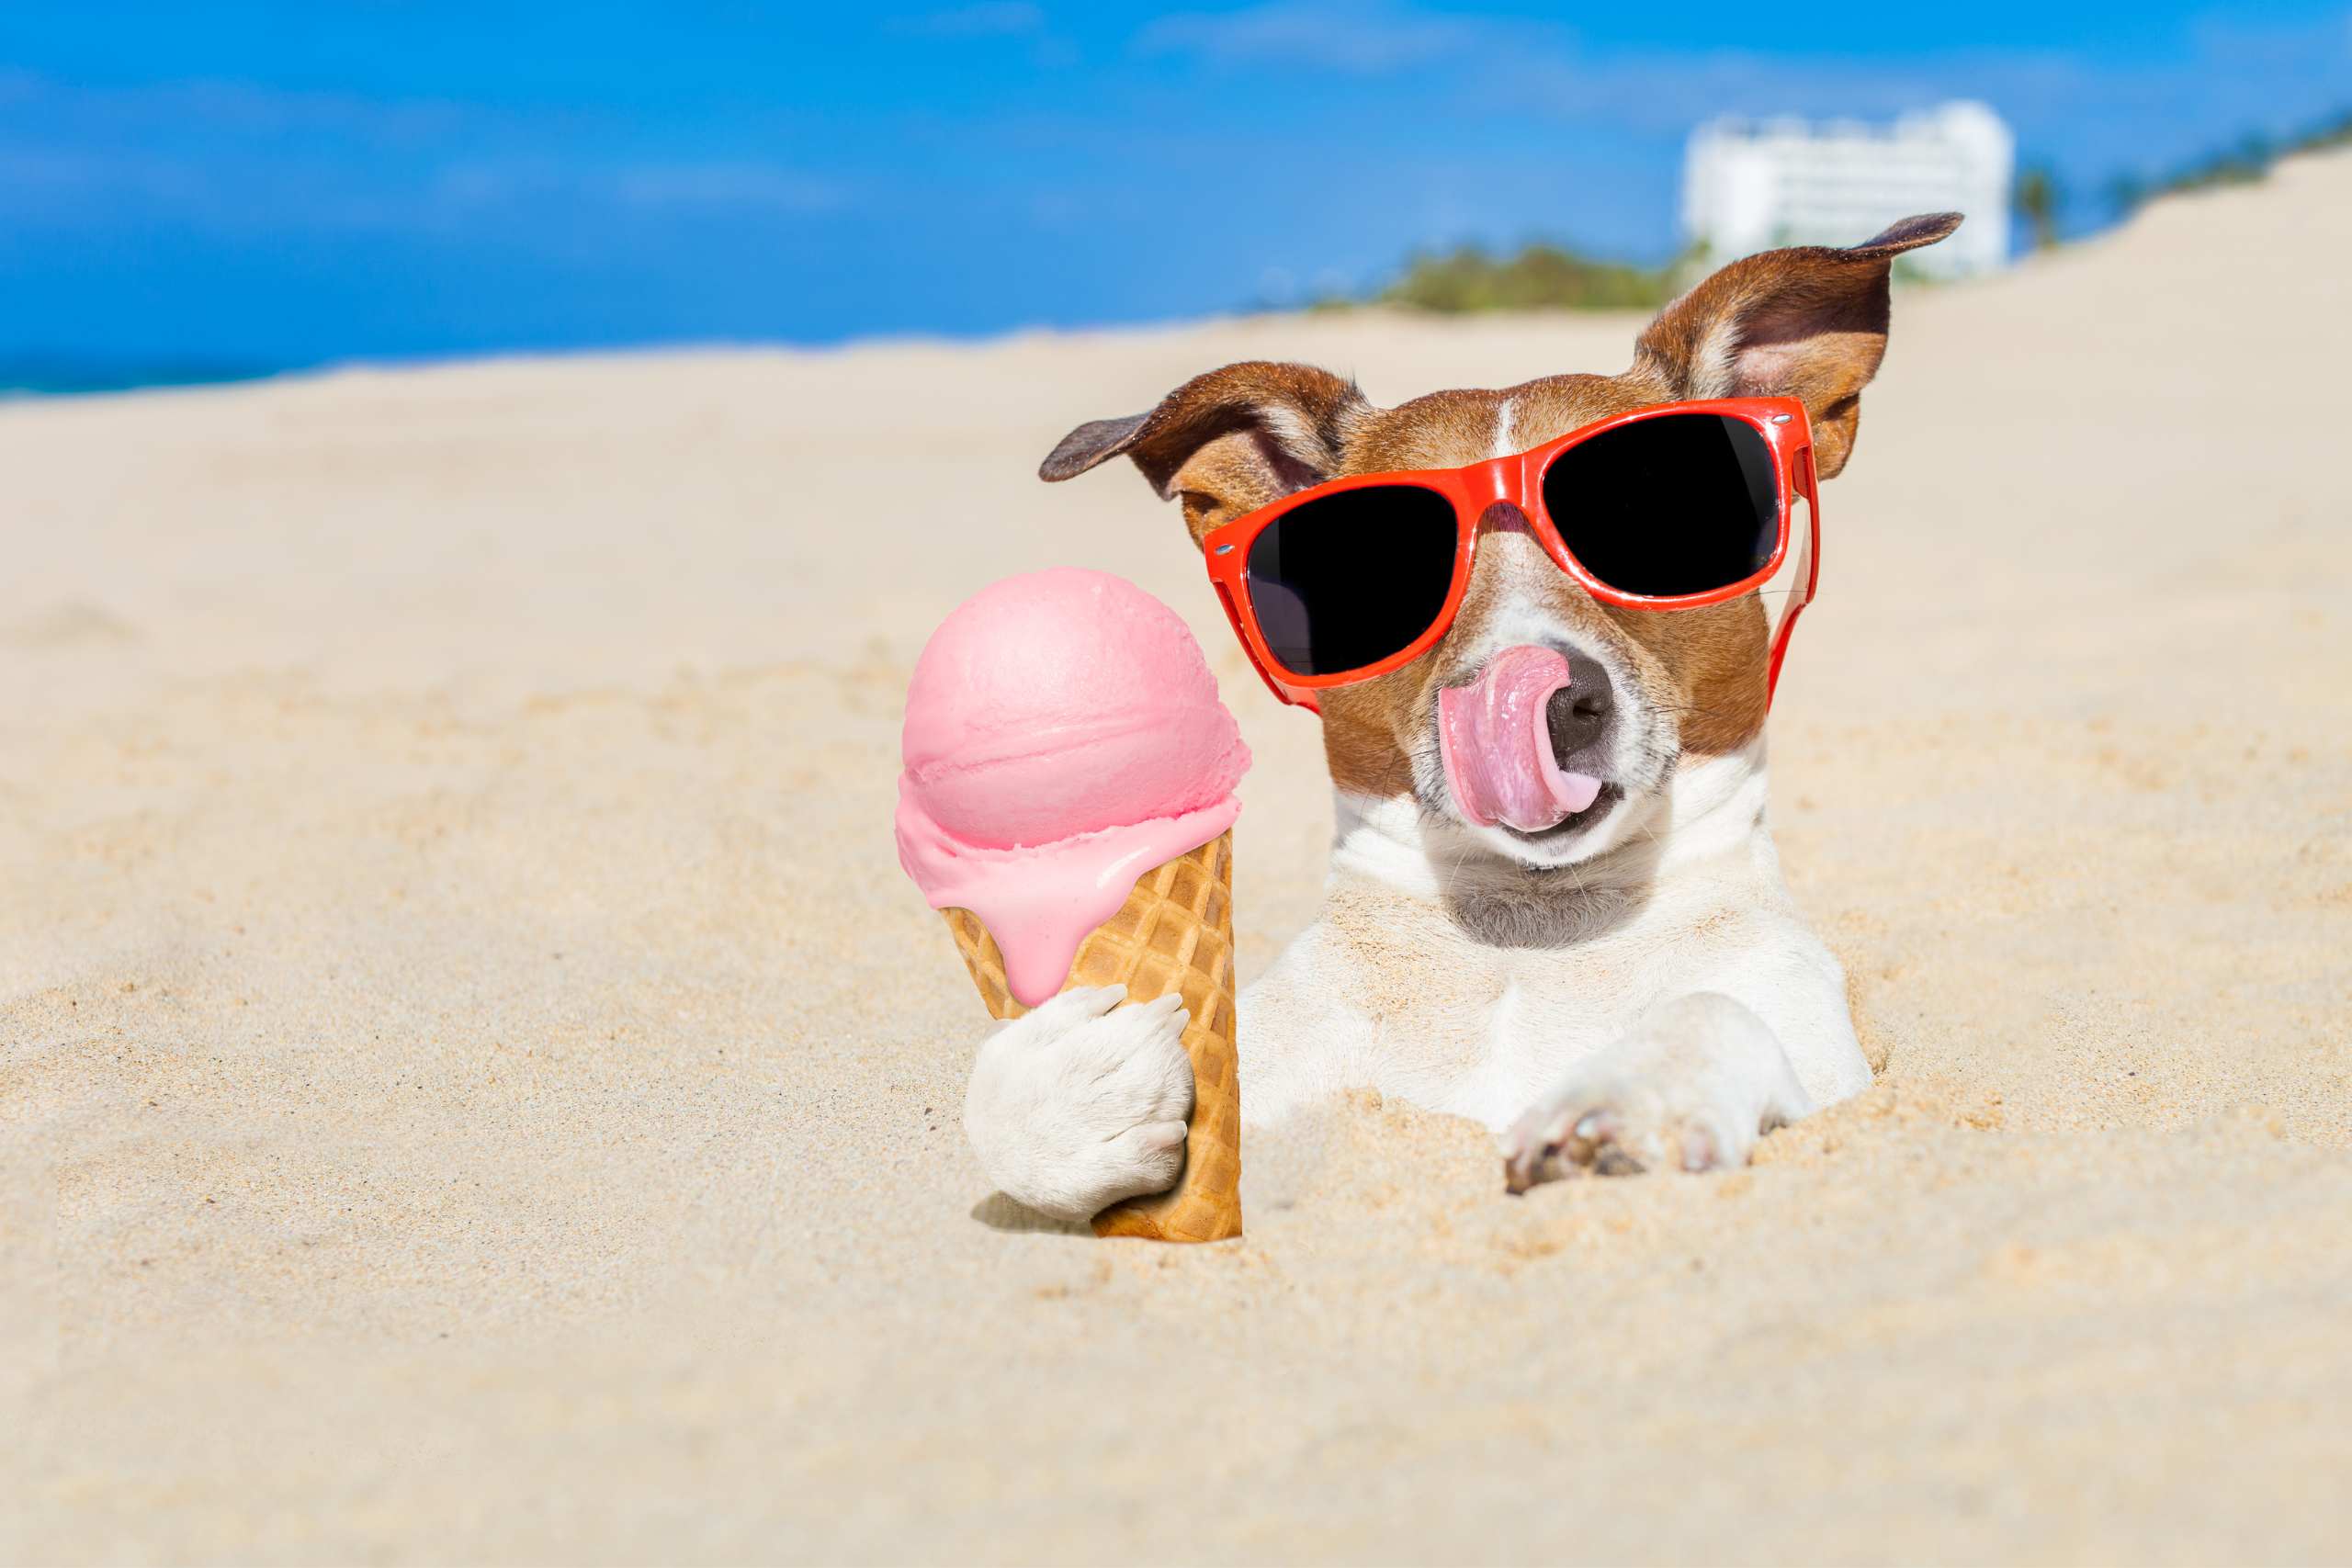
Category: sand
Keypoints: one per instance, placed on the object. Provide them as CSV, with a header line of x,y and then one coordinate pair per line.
x,y
479,1089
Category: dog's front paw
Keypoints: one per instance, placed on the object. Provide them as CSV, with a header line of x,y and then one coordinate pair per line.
x,y
1620,1129
1083,1103
1692,1088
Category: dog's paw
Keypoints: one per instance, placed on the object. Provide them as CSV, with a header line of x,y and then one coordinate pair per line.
x,y
1619,1129
1083,1103
1692,1088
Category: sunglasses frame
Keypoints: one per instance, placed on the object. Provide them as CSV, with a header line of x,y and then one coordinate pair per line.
x,y
1518,479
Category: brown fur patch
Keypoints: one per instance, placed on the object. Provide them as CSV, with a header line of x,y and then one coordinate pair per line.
x,y
1442,430
1719,659
1364,728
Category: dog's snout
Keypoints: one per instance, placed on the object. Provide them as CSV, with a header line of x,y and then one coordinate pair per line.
x,y
1578,714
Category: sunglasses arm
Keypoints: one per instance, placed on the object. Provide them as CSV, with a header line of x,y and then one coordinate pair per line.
x,y
1806,487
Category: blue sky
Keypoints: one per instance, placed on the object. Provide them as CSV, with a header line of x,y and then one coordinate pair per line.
x,y
297,180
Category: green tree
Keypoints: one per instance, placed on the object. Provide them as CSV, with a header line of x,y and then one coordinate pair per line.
x,y
1539,275
2038,196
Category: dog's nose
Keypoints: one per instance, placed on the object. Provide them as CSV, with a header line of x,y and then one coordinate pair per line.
x,y
1579,716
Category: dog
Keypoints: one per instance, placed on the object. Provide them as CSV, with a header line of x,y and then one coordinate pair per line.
x,y
1630,989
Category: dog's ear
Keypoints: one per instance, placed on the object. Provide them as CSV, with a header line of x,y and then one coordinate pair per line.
x,y
1809,322
1228,442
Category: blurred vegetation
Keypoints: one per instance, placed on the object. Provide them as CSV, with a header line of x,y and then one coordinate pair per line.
x,y
2247,163
1539,275
2038,198
47,374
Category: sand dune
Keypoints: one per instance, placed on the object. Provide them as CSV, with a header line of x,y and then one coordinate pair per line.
x,y
479,1089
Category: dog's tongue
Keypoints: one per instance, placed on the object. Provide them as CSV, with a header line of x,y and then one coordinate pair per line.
x,y
1496,738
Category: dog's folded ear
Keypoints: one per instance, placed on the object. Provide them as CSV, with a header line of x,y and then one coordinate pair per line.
x,y
1228,442
1808,322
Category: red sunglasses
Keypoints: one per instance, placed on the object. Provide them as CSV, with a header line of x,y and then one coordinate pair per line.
x,y
1665,508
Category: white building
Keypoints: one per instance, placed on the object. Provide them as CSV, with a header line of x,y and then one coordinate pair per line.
x,y
1749,186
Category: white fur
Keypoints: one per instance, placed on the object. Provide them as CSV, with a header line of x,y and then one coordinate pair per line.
x,y
1694,1084
1388,991
1075,1106
1504,445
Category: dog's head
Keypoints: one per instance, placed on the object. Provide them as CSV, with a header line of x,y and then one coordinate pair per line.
x,y
1651,691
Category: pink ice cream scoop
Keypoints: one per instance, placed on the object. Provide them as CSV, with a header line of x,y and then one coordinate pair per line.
x,y
1063,735
1495,739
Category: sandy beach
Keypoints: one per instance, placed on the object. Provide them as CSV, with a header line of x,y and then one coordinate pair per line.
x,y
478,1086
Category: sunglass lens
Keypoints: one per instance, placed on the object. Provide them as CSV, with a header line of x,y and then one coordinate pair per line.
x,y
1681,504
1349,579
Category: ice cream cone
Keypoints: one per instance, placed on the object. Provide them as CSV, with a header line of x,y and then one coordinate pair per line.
x,y
1174,934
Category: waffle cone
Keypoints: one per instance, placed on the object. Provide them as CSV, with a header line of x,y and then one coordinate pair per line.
x,y
1174,934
